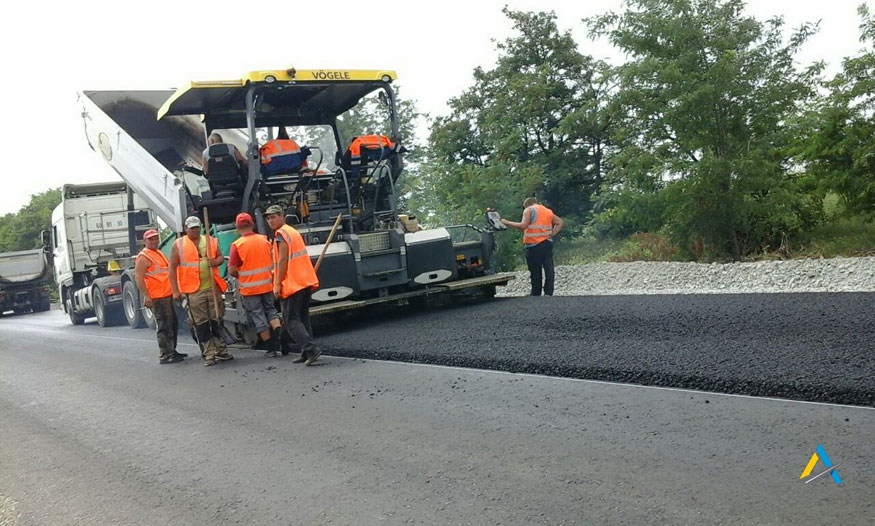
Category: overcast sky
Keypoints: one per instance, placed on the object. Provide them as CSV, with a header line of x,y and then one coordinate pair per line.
x,y
49,53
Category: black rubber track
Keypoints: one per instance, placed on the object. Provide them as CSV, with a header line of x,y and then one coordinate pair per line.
x,y
816,347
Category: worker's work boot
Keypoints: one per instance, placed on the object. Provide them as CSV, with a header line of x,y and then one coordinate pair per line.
x,y
273,347
314,355
209,363
301,359
173,358
285,345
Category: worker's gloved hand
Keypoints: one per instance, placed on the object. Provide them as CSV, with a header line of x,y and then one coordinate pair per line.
x,y
148,302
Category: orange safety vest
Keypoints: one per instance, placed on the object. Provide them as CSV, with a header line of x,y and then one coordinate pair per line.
x,y
188,273
368,142
540,227
157,275
254,274
300,273
278,147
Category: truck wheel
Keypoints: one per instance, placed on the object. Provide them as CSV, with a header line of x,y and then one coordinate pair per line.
x,y
75,319
149,318
131,304
45,305
107,315
99,308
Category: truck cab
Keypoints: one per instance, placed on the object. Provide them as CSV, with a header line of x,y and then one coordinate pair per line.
x,y
95,235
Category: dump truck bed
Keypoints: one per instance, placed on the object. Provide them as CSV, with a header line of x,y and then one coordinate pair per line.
x,y
22,266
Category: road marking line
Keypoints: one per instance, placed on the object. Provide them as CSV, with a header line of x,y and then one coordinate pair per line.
x,y
539,376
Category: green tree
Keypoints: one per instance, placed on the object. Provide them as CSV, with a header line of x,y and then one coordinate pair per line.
x,y
701,121
533,125
839,145
21,231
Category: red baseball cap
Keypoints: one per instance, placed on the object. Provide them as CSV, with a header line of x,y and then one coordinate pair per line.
x,y
243,219
150,233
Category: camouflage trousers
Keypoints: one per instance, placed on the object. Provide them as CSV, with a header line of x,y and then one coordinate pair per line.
x,y
164,311
202,305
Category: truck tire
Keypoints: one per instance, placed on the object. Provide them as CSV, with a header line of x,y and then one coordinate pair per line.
x,y
131,305
75,319
106,316
45,305
150,318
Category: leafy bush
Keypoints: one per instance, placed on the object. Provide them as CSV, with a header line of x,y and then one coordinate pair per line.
x,y
644,246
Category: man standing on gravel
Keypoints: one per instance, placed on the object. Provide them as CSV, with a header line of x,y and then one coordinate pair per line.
x,y
539,224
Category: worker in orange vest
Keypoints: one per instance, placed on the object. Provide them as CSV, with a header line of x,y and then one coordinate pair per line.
x,y
539,225
374,143
294,281
251,263
193,264
152,273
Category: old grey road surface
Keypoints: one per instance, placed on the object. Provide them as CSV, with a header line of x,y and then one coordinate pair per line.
x,y
94,431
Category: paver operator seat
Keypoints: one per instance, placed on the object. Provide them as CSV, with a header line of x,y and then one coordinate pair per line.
x,y
225,176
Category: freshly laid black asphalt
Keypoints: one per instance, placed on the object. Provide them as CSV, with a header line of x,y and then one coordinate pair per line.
x,y
816,347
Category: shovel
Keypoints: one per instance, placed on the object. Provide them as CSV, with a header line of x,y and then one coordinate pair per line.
x,y
327,242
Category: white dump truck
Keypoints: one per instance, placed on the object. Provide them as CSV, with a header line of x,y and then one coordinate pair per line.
x,y
96,232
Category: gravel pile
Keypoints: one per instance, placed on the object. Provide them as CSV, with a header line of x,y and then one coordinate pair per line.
x,y
800,275
8,515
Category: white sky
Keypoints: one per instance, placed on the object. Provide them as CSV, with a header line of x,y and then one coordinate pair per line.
x,y
51,51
